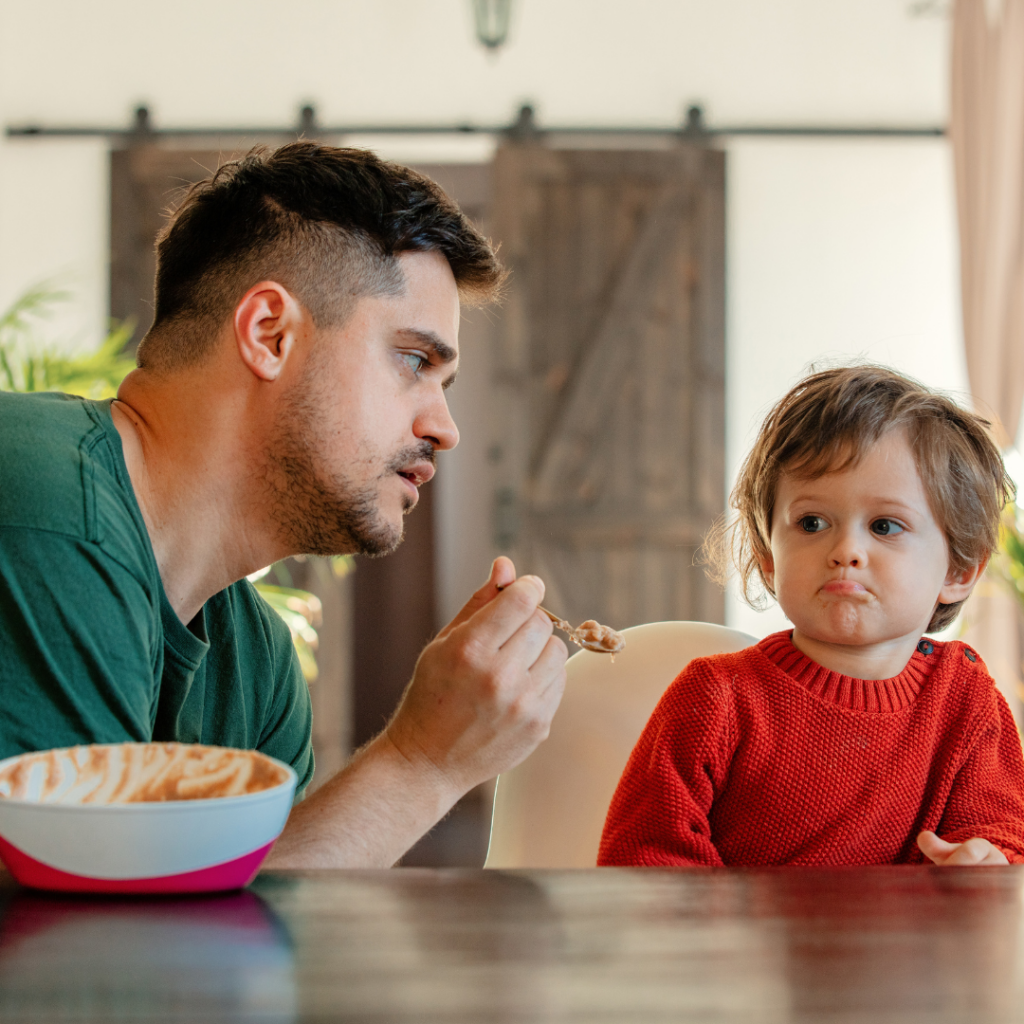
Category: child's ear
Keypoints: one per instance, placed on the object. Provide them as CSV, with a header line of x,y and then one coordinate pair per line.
x,y
767,565
958,585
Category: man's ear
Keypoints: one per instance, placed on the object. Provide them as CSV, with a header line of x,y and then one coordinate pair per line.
x,y
266,323
958,585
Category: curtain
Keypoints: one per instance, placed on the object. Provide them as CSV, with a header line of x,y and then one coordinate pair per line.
x,y
987,134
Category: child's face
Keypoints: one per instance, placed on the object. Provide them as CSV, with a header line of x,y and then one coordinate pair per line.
x,y
857,556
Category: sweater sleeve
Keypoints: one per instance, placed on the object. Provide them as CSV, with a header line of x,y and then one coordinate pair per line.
x,y
659,814
987,797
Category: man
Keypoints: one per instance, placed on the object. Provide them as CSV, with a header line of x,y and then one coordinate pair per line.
x,y
289,398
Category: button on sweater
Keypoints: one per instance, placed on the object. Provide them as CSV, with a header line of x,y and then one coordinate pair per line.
x,y
765,757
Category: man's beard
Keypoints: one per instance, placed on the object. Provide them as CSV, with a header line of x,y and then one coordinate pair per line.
x,y
324,513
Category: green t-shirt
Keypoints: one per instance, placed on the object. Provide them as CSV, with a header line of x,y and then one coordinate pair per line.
x,y
90,649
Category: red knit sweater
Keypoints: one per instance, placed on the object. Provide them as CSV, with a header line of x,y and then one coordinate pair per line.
x,y
765,757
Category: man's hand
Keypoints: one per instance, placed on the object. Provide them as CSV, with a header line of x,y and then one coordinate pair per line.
x,y
975,851
482,697
485,690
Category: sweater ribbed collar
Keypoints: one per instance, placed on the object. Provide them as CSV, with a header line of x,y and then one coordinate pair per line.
x,y
856,694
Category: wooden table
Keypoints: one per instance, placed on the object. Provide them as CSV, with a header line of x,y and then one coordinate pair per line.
x,y
473,947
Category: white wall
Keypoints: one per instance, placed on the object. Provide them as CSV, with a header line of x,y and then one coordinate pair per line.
x,y
54,228
835,248
216,62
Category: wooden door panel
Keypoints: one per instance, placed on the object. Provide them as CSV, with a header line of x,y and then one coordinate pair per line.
x,y
146,183
610,411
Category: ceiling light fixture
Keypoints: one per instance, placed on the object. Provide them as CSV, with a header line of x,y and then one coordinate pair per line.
x,y
492,18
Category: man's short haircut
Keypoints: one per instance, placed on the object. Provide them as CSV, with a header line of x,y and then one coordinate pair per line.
x,y
328,224
825,424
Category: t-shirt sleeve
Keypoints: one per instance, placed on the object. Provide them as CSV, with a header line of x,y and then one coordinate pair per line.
x,y
288,724
79,645
659,814
987,796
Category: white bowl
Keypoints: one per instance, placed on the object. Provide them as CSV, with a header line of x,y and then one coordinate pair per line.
x,y
167,845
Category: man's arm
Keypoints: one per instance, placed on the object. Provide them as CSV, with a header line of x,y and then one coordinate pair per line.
x,y
481,699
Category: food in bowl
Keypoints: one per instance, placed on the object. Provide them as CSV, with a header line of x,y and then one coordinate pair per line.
x,y
141,817
124,773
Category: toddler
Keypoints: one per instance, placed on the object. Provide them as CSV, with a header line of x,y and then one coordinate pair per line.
x,y
868,507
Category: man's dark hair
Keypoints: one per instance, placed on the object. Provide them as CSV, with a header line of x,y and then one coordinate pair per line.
x,y
326,223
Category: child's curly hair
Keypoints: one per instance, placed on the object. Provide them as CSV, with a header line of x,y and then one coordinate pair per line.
x,y
824,424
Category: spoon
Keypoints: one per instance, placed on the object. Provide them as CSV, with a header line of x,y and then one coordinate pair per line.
x,y
591,635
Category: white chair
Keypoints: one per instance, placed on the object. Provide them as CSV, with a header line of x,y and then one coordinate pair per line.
x,y
550,810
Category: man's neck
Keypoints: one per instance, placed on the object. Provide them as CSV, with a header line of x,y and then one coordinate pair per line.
x,y
189,453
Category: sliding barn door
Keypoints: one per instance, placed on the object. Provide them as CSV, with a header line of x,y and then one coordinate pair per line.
x,y
610,390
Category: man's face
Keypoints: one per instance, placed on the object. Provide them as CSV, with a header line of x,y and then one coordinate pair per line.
x,y
358,430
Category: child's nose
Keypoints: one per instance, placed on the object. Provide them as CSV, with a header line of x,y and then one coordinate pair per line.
x,y
847,552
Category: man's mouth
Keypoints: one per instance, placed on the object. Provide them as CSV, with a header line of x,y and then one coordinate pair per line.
x,y
417,474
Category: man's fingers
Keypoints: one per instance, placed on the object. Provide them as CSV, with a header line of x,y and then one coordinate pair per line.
x,y
550,665
503,572
494,624
524,646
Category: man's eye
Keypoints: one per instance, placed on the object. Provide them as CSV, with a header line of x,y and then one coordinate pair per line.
x,y
886,527
812,524
415,361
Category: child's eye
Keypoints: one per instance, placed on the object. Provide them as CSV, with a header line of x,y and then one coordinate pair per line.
x,y
416,362
812,524
886,527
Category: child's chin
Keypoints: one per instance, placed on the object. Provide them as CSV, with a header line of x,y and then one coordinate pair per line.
x,y
844,630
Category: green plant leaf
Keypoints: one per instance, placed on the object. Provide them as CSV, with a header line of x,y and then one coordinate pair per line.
x,y
28,363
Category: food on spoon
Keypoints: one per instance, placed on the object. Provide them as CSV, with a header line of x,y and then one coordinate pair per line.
x,y
124,773
592,636
596,637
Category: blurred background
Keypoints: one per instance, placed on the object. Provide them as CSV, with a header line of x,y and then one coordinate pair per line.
x,y
698,201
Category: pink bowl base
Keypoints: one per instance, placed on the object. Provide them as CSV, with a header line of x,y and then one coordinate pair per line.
x,y
232,874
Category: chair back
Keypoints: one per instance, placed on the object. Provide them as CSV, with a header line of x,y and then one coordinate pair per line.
x,y
549,811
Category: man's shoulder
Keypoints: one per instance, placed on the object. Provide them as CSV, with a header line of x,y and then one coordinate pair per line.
x,y
42,479
58,469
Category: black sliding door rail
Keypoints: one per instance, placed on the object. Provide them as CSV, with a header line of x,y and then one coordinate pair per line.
x,y
524,128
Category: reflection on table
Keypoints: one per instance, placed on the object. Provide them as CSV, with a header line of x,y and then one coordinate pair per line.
x,y
83,958
846,945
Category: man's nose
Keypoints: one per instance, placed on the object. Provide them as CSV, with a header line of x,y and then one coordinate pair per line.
x,y
847,550
435,424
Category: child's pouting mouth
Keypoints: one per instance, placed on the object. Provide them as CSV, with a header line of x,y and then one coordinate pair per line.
x,y
845,588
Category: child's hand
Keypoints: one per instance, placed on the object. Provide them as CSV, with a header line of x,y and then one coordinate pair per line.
x,y
973,852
